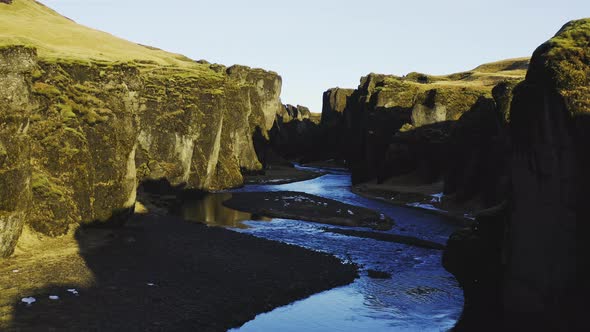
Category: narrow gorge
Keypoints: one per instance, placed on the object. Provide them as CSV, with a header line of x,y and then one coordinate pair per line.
x,y
175,194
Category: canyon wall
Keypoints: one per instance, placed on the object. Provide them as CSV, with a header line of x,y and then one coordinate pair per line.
x,y
391,126
78,136
16,65
294,136
522,264
549,128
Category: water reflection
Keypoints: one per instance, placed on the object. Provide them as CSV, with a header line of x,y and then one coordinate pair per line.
x,y
420,296
209,209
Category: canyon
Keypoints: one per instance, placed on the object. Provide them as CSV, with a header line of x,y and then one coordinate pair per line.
x,y
86,126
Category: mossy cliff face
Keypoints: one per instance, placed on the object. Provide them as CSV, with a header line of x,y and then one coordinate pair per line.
x,y
84,134
549,128
375,116
16,65
77,137
198,131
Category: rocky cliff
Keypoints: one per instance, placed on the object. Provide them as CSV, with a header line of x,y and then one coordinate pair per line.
x,y
391,122
79,132
15,153
549,128
522,263
334,125
294,136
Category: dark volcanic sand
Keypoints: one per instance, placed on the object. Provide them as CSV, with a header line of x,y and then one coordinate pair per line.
x,y
301,206
204,279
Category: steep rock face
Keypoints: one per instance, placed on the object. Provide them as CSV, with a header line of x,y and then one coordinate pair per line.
x,y
289,113
549,129
84,141
522,264
334,126
257,102
198,131
335,102
385,104
295,134
478,153
87,116
16,65
97,129
387,121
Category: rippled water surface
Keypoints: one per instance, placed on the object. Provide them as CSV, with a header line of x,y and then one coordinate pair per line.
x,y
420,296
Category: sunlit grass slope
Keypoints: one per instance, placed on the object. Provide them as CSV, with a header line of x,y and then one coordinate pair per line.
x,y
30,23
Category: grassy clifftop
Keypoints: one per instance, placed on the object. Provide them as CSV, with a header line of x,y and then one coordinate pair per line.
x,y
99,114
483,77
565,58
30,23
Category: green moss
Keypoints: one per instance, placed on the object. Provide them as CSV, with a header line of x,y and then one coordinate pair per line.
x,y
66,111
37,74
47,90
406,127
46,187
567,56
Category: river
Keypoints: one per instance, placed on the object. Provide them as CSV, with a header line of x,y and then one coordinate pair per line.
x,y
420,296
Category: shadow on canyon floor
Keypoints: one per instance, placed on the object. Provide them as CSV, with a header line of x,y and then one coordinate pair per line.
x,y
162,273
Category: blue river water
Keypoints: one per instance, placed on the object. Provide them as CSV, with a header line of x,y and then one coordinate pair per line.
x,y
420,296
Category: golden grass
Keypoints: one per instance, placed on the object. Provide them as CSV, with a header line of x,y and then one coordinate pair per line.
x,y
30,23
487,75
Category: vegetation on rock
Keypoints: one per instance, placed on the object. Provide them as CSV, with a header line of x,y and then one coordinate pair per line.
x,y
103,113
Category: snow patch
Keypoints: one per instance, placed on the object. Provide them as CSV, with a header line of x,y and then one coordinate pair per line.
x,y
73,291
29,300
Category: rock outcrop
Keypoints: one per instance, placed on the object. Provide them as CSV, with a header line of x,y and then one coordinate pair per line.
x,y
77,134
522,264
293,137
334,126
393,125
99,129
549,128
16,65
288,113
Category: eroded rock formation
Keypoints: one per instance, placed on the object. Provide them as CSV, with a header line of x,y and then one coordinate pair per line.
x,y
522,263
77,137
394,125
16,65
294,136
548,221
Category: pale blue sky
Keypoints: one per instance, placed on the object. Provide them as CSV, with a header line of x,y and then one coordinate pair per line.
x,y
316,45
